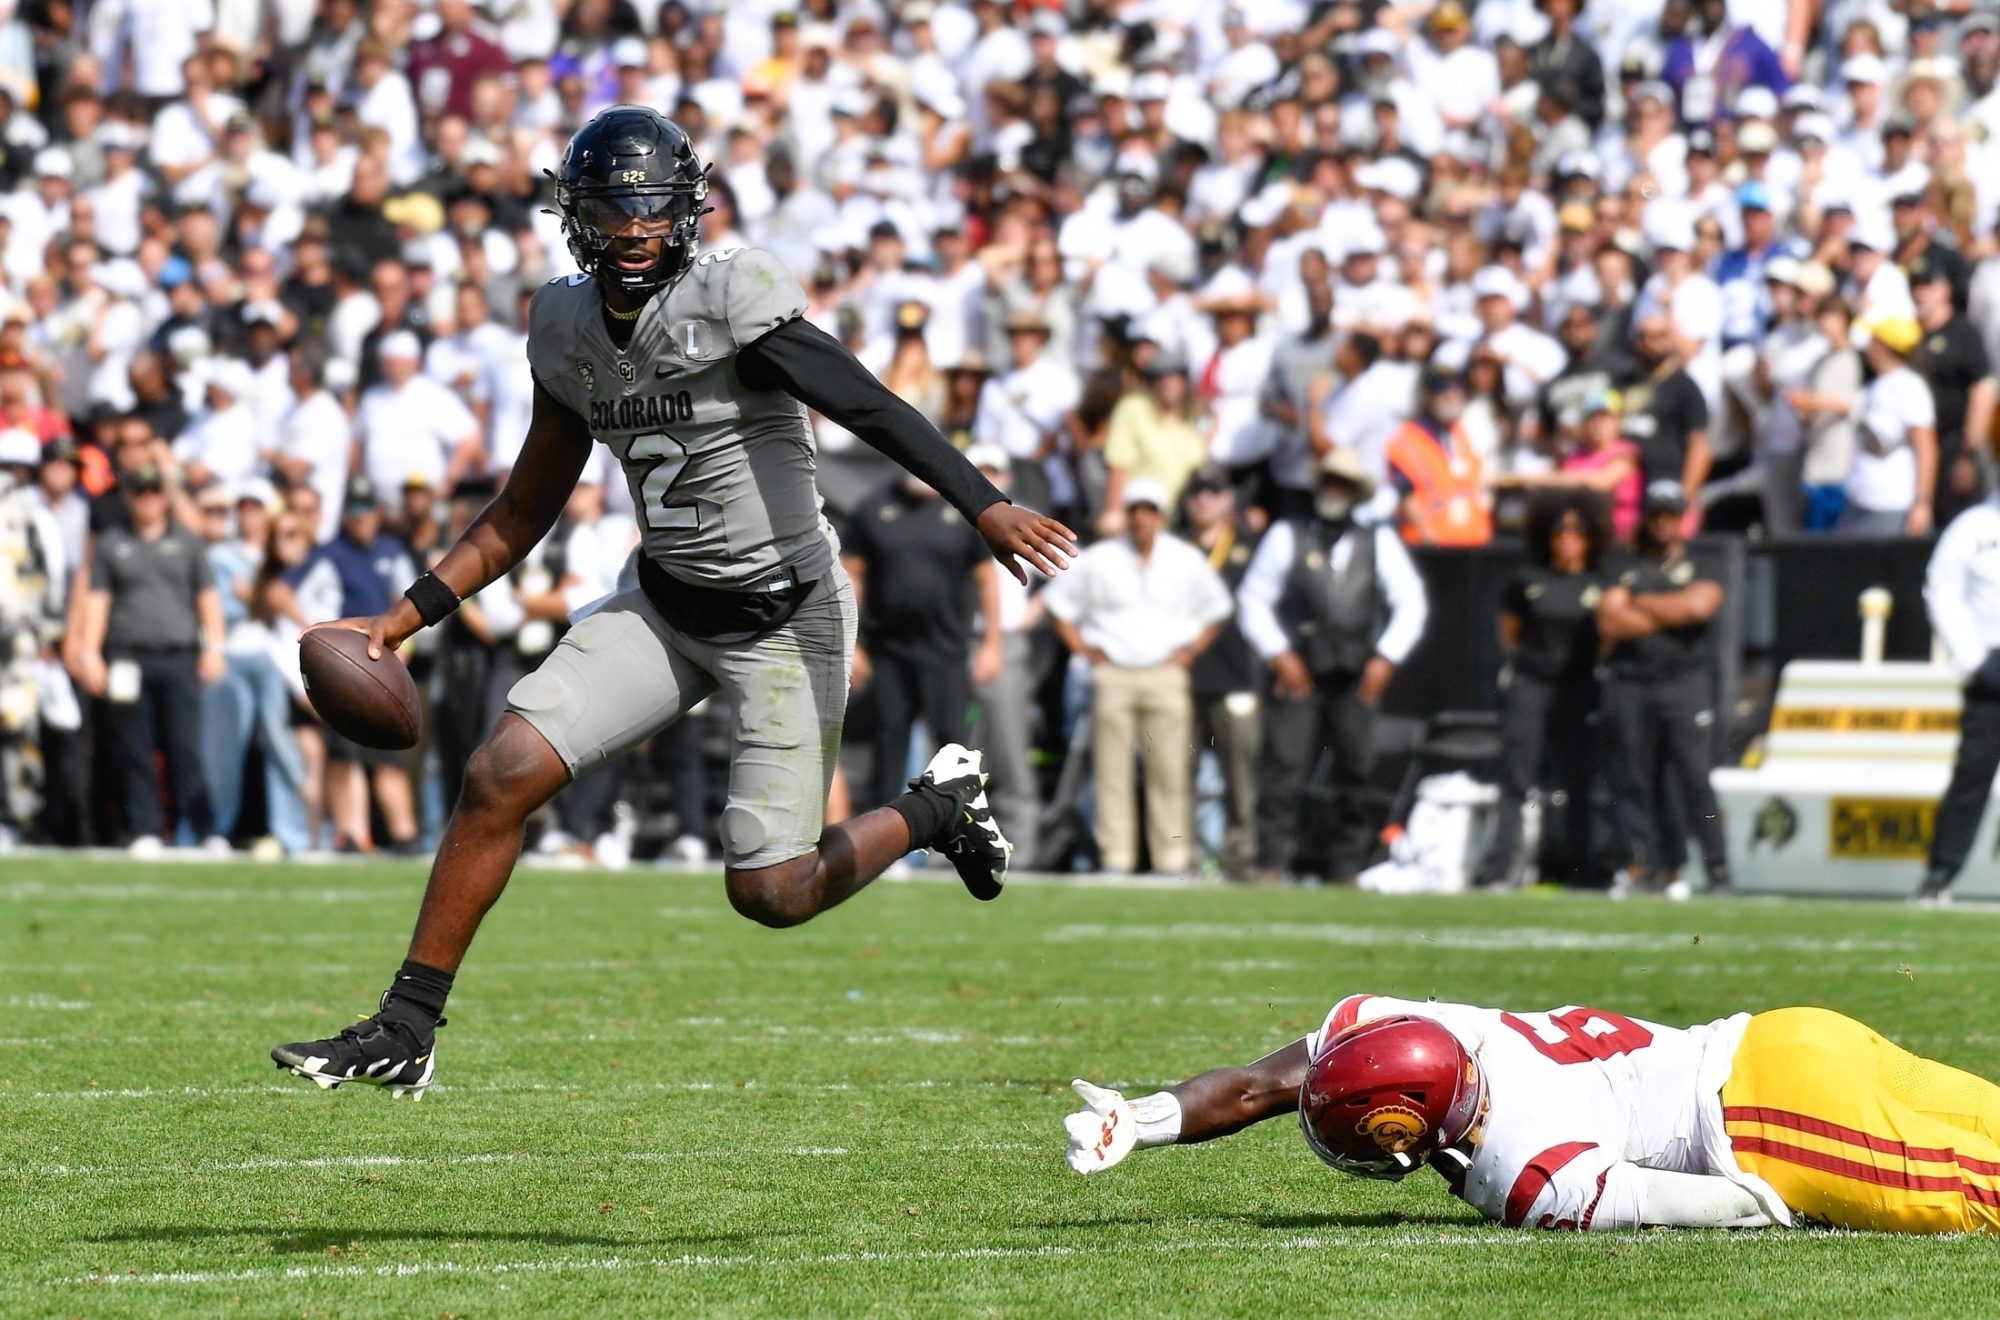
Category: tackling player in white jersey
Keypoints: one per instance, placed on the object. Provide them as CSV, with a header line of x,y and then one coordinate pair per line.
x,y
1583,1119
696,370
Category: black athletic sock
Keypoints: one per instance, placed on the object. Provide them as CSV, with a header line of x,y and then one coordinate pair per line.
x,y
417,990
926,811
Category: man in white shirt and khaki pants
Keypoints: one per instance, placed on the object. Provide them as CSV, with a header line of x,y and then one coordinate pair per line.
x,y
1962,595
1140,607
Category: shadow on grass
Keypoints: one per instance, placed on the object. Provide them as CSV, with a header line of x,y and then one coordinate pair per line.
x,y
315,1241
1374,1219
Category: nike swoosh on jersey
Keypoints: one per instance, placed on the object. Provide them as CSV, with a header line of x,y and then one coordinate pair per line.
x,y
664,370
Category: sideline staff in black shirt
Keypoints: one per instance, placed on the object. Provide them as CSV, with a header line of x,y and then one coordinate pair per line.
x,y
919,570
1961,381
1548,627
1658,709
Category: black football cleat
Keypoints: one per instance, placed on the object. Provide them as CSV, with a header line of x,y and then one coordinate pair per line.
x,y
972,840
392,1054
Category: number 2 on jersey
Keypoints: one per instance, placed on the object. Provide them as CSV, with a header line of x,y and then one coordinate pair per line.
x,y
669,456
1580,1044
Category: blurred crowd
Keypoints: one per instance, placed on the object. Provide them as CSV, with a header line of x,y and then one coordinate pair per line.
x,y
1311,280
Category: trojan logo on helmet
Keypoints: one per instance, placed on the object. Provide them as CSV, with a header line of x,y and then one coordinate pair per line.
x,y
1380,1098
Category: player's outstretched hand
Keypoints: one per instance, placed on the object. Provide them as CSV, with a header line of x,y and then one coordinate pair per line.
x,y
1015,534
1103,1131
385,632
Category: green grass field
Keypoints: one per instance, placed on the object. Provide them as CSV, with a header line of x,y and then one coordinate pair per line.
x,y
648,1106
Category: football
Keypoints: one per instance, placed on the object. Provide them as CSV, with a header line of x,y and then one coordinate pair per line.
x,y
371,702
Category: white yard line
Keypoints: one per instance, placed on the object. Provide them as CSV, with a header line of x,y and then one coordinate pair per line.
x,y
1467,1236
510,1088
717,1155
1507,939
644,872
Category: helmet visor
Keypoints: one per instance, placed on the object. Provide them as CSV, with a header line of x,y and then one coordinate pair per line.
x,y
636,215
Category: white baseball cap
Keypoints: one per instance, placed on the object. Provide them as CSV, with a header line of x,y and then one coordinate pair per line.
x,y
230,375
1757,138
399,344
1669,228
1364,240
1378,41
1153,85
1756,103
258,490
1395,175
1873,231
1146,490
1499,282
19,446
1864,68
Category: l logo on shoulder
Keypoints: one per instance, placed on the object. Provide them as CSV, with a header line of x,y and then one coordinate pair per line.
x,y
694,339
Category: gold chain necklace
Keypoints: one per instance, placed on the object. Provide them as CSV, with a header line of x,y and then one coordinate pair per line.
x,y
617,315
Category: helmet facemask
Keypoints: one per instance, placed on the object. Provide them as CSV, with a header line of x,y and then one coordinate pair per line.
x,y
1374,1132
603,225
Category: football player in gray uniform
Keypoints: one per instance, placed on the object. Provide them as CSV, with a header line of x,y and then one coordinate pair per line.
x,y
696,369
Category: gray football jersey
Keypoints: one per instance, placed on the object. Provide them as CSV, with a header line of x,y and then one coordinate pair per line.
x,y
721,476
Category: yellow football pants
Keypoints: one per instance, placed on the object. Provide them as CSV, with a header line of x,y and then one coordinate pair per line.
x,y
1855,1131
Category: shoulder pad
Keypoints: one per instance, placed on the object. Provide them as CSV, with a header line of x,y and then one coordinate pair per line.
x,y
554,318
747,290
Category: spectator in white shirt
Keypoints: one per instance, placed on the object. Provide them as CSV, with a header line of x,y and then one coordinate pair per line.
x,y
314,439
1690,299
220,444
1876,288
384,101
37,215
144,44
1139,608
1461,79
458,360
1376,394
1230,385
1024,411
116,201
1895,456
186,146
411,426
504,395
1532,359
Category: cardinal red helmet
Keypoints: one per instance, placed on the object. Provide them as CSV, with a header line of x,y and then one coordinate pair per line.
x,y
1381,1096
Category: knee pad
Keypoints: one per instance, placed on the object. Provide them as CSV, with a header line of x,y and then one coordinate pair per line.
x,y
744,833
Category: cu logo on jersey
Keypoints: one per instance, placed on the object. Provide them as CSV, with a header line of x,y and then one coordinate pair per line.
x,y
627,372
1394,1128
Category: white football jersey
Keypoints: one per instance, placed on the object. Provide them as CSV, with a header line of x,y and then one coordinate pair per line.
x,y
1573,1094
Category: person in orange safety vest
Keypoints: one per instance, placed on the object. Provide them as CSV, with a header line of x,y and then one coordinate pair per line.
x,y
1437,471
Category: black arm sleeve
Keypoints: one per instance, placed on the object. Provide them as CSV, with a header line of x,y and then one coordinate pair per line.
x,y
813,367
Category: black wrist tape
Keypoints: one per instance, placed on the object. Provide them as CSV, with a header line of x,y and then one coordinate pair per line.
x,y
435,601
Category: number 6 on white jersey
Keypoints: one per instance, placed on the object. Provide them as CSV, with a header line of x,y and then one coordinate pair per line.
x,y
669,456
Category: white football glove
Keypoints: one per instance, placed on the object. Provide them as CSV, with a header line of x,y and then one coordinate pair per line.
x,y
1103,1132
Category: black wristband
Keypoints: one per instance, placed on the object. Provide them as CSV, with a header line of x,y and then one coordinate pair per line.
x,y
435,601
